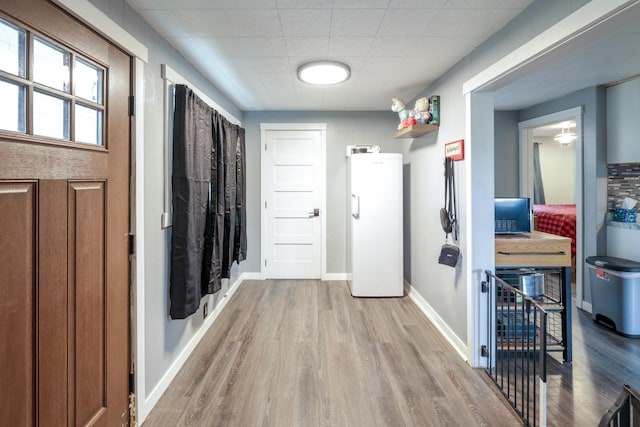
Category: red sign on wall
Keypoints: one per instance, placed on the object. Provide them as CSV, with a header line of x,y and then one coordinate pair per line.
x,y
454,150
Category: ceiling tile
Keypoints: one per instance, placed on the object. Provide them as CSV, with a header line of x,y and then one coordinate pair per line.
x,y
215,49
279,80
202,4
444,46
261,46
349,46
300,46
305,22
407,23
468,22
304,4
375,64
391,46
182,23
259,22
356,22
360,4
487,4
262,65
410,5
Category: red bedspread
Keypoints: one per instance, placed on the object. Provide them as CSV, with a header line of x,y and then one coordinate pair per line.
x,y
557,219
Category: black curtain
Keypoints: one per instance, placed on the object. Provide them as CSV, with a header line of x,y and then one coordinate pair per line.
x,y
538,187
221,215
190,180
240,250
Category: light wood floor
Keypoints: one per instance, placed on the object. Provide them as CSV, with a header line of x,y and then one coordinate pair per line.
x,y
305,353
580,393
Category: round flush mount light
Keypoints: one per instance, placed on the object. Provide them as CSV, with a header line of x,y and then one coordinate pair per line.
x,y
324,72
565,137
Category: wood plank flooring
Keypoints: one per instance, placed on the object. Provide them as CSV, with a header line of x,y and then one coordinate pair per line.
x,y
580,393
305,353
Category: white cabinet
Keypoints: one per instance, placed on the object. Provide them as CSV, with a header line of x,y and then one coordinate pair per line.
x,y
623,122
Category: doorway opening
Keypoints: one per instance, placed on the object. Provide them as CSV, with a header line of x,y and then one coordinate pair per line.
x,y
551,175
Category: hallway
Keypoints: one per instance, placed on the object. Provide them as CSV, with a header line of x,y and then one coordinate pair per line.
x,y
305,353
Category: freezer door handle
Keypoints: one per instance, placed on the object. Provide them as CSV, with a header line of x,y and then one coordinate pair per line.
x,y
355,206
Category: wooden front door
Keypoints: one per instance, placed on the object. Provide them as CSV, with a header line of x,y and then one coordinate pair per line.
x,y
64,205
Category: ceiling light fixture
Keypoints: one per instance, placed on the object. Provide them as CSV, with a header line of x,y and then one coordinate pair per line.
x,y
324,72
565,137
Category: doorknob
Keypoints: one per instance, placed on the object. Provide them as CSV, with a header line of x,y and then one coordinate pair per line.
x,y
316,212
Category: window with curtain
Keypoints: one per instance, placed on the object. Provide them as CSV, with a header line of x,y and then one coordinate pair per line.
x,y
208,194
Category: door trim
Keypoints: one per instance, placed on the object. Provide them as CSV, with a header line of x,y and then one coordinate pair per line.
x,y
526,179
92,17
322,127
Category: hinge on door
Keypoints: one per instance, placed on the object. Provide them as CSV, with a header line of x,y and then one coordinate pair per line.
x,y
132,105
265,146
265,262
265,204
132,244
483,351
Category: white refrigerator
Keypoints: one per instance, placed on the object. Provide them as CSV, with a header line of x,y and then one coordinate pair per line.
x,y
374,226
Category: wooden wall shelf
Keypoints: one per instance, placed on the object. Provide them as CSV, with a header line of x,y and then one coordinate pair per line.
x,y
415,131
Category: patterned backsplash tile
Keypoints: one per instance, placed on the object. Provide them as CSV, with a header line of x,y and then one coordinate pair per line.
x,y
624,181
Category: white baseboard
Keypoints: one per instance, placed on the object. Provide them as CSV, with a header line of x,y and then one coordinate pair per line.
x,y
252,276
175,367
586,306
334,276
437,321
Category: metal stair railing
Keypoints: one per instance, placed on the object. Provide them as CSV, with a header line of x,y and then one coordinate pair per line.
x,y
516,350
625,412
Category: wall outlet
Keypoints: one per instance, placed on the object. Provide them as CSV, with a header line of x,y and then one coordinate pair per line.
x,y
205,310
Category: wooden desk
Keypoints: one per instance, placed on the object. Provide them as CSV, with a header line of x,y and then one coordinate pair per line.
x,y
542,250
533,249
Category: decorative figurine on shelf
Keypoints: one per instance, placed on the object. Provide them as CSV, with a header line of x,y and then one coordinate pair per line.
x,y
397,106
420,111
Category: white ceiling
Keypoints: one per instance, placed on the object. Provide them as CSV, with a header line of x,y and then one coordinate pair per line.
x,y
250,49
606,54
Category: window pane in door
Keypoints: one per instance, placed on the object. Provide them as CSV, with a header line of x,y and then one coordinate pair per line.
x,y
88,125
12,49
87,80
50,116
12,106
50,65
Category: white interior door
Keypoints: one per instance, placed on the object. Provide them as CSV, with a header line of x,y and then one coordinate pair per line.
x,y
293,174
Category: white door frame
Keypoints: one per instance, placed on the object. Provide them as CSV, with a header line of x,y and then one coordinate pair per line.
x,y
526,177
322,127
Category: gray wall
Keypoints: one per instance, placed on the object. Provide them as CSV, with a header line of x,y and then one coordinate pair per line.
x,y
343,128
164,339
506,154
443,288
